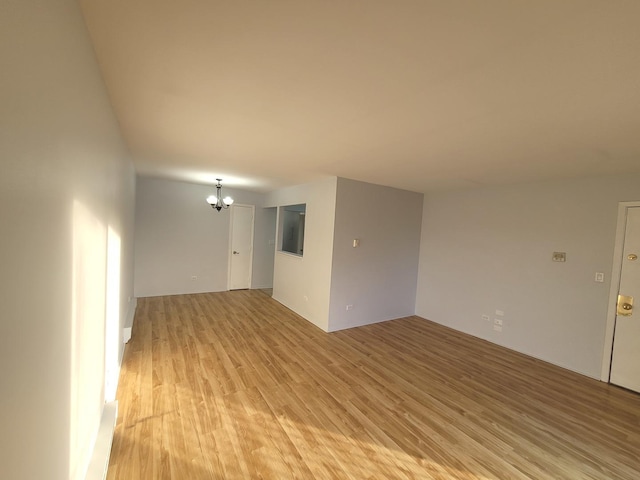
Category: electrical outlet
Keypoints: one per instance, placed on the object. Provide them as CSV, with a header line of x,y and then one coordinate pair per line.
x,y
497,321
559,256
497,328
349,307
485,317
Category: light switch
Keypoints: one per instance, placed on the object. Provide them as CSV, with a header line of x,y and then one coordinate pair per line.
x,y
599,277
356,242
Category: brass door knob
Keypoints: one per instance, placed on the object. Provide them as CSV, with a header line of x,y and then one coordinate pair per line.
x,y
625,305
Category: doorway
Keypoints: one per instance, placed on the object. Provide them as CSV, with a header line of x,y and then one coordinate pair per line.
x,y
241,246
624,367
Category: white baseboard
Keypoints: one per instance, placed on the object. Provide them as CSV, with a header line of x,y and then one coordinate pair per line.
x,y
126,331
102,449
126,334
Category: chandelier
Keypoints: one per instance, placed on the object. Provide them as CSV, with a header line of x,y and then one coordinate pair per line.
x,y
216,201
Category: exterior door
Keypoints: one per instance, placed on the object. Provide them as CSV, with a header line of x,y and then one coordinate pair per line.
x,y
625,361
241,243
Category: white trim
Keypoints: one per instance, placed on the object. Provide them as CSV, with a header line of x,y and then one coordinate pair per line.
x,y
126,331
99,462
126,334
289,254
615,287
230,253
253,232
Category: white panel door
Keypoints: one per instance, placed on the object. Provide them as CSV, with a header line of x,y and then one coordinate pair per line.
x,y
241,255
625,362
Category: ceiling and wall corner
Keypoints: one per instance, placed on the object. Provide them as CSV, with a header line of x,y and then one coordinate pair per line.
x,y
424,96
417,95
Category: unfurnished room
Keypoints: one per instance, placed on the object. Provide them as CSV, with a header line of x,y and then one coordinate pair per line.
x,y
319,239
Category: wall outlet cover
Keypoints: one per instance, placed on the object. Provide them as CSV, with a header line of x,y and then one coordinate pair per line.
x,y
559,256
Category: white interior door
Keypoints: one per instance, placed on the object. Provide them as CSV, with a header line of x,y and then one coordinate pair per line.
x,y
625,361
241,242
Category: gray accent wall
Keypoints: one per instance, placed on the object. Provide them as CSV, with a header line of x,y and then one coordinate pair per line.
x,y
490,249
376,279
179,236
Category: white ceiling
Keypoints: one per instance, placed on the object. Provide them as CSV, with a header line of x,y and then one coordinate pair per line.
x,y
420,95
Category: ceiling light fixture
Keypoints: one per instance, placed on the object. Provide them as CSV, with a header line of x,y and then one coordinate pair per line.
x,y
216,201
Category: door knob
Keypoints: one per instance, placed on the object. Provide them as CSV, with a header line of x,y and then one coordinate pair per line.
x,y
236,253
625,305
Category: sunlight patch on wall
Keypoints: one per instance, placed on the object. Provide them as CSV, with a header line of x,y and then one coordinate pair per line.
x,y
87,335
112,327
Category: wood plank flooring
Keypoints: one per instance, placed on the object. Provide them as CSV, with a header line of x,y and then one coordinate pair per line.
x,y
233,385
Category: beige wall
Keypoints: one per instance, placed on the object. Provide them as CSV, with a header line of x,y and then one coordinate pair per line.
x,y
66,193
490,249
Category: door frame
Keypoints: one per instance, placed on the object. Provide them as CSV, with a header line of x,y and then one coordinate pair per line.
x,y
229,251
616,271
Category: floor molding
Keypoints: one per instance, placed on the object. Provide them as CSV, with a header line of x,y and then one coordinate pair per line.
x,y
102,449
126,331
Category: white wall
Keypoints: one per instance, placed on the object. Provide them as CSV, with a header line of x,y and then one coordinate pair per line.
x,y
178,235
66,188
490,249
264,247
303,283
379,277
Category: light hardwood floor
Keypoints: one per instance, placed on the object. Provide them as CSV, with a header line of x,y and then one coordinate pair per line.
x,y
233,385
